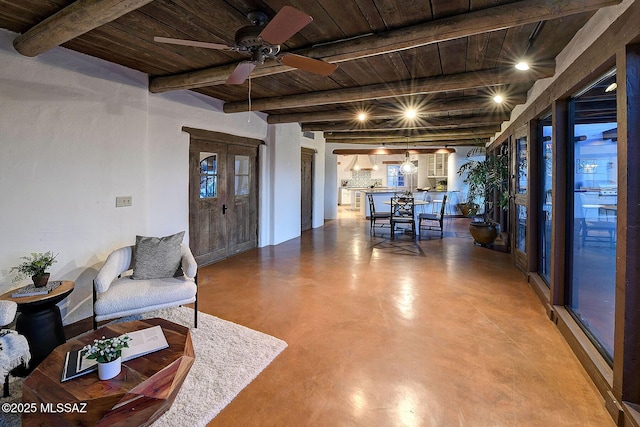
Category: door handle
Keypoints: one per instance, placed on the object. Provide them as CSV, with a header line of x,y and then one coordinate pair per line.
x,y
224,209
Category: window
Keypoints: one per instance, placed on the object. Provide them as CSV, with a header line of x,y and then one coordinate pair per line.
x,y
521,158
208,175
545,200
521,232
394,177
242,175
592,260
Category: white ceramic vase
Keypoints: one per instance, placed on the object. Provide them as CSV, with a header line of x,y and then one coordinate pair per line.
x,y
108,370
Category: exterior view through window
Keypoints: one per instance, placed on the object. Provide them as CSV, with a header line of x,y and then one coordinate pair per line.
x,y
208,175
594,152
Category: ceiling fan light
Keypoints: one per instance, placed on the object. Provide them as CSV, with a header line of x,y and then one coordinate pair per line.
x,y
522,66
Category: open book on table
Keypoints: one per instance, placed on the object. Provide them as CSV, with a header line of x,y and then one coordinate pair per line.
x,y
142,342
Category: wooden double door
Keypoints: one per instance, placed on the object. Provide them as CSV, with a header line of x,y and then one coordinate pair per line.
x,y
223,195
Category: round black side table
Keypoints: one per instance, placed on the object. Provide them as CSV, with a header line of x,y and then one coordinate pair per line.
x,y
40,321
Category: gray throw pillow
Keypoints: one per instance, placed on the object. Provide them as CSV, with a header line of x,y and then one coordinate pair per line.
x,y
157,257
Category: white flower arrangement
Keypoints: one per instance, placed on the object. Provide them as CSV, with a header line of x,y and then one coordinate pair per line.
x,y
107,349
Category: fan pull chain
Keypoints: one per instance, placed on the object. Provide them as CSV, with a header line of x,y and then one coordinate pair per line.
x,y
249,120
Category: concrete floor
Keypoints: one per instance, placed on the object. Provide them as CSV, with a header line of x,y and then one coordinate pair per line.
x,y
380,333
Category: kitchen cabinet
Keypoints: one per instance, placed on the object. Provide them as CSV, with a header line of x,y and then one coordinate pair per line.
x,y
345,197
438,165
355,200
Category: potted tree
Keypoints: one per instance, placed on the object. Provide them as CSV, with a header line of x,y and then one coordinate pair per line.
x,y
36,266
486,176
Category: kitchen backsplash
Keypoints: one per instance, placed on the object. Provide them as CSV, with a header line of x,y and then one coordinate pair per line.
x,y
361,179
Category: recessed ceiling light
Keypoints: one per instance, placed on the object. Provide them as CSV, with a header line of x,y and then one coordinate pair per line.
x,y
522,66
613,86
362,116
498,99
410,113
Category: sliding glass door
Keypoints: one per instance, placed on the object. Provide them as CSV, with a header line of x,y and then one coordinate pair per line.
x,y
593,196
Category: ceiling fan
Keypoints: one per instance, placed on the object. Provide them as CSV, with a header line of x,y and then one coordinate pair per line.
x,y
263,42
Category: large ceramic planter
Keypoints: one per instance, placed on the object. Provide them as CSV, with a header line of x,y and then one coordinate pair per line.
x,y
484,233
108,370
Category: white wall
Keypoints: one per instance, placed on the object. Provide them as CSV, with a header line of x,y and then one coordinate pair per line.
x,y
318,144
456,160
330,184
76,132
283,146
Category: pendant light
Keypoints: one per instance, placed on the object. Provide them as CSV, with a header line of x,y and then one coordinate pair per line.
x,y
407,167
356,166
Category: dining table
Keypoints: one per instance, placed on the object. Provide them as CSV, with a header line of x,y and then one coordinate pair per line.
x,y
421,203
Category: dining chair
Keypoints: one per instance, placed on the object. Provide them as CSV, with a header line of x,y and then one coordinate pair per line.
x,y
436,204
596,223
402,212
375,217
427,200
433,221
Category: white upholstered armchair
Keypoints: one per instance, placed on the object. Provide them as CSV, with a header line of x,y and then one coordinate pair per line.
x,y
14,348
116,295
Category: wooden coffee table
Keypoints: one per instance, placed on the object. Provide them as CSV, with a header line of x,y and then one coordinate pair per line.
x,y
144,390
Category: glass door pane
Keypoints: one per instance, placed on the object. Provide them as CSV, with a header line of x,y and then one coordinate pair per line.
x,y
520,185
521,170
208,175
594,219
545,204
241,175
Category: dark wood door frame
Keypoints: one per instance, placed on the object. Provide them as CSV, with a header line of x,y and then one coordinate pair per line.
x,y
228,223
306,193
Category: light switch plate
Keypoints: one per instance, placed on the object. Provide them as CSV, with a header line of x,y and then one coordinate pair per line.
x,y
122,201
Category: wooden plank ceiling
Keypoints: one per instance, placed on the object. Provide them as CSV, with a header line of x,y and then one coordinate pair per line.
x,y
444,58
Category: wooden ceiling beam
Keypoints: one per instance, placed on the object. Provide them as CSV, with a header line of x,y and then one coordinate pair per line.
x,y
426,109
76,19
455,122
402,142
480,131
385,151
453,27
450,82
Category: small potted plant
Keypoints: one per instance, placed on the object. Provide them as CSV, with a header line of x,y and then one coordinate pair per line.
x,y
36,266
108,353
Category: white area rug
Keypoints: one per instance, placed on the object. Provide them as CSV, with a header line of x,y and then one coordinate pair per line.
x,y
228,358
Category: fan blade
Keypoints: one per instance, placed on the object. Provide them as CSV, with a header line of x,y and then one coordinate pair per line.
x,y
241,73
285,24
193,43
307,64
